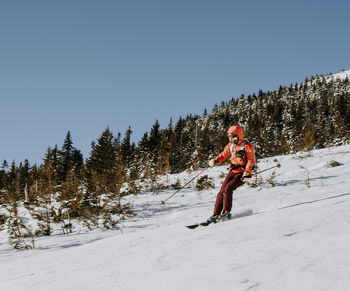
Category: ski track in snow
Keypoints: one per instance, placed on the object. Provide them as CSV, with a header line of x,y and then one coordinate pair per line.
x,y
296,239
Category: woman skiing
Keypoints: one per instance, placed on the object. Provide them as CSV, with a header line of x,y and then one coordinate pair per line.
x,y
242,162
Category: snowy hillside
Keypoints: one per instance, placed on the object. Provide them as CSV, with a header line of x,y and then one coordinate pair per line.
x,y
342,75
296,239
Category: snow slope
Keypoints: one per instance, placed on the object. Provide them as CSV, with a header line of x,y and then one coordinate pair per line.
x,y
296,239
342,75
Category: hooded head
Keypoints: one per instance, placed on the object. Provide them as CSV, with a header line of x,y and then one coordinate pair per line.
x,y
236,130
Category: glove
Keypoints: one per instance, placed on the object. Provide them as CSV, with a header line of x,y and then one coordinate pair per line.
x,y
212,162
246,176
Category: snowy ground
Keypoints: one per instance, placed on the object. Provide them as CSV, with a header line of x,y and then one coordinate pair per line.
x,y
297,238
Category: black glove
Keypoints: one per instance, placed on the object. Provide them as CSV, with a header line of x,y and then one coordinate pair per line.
x,y
246,176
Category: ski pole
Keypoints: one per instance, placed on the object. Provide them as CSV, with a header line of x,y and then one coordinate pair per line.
x,y
278,165
163,202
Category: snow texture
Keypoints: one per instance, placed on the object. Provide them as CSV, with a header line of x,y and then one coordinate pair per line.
x,y
296,239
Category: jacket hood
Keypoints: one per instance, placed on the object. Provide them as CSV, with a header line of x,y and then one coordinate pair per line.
x,y
236,129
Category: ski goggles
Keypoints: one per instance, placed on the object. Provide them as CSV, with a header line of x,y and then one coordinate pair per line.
x,y
230,135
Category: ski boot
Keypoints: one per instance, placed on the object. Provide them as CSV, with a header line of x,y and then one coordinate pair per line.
x,y
225,215
213,218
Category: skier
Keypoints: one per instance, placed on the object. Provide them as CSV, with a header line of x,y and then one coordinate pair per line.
x,y
240,171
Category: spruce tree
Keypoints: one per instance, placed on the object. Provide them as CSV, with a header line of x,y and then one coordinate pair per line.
x,y
104,179
46,193
4,165
69,158
154,145
127,148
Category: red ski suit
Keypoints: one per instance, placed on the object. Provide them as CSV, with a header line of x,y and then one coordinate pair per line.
x,y
238,166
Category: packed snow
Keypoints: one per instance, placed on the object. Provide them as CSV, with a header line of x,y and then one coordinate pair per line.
x,y
296,238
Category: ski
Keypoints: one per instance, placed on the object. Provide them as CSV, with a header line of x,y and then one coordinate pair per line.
x,y
206,223
192,226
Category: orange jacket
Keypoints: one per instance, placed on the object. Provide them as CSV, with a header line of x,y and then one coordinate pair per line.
x,y
231,149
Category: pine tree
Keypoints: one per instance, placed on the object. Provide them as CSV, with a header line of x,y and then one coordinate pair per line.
x,y
66,157
33,184
204,149
69,158
104,180
20,235
71,200
177,159
127,148
284,147
24,171
56,163
154,146
165,152
4,165
3,183
307,143
45,194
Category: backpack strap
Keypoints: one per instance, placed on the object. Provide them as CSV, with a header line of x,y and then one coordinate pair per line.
x,y
233,150
242,145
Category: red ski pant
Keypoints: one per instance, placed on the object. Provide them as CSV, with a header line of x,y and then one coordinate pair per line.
x,y
224,197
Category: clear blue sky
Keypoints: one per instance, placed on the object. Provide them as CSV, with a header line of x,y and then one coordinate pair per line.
x,y
82,65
